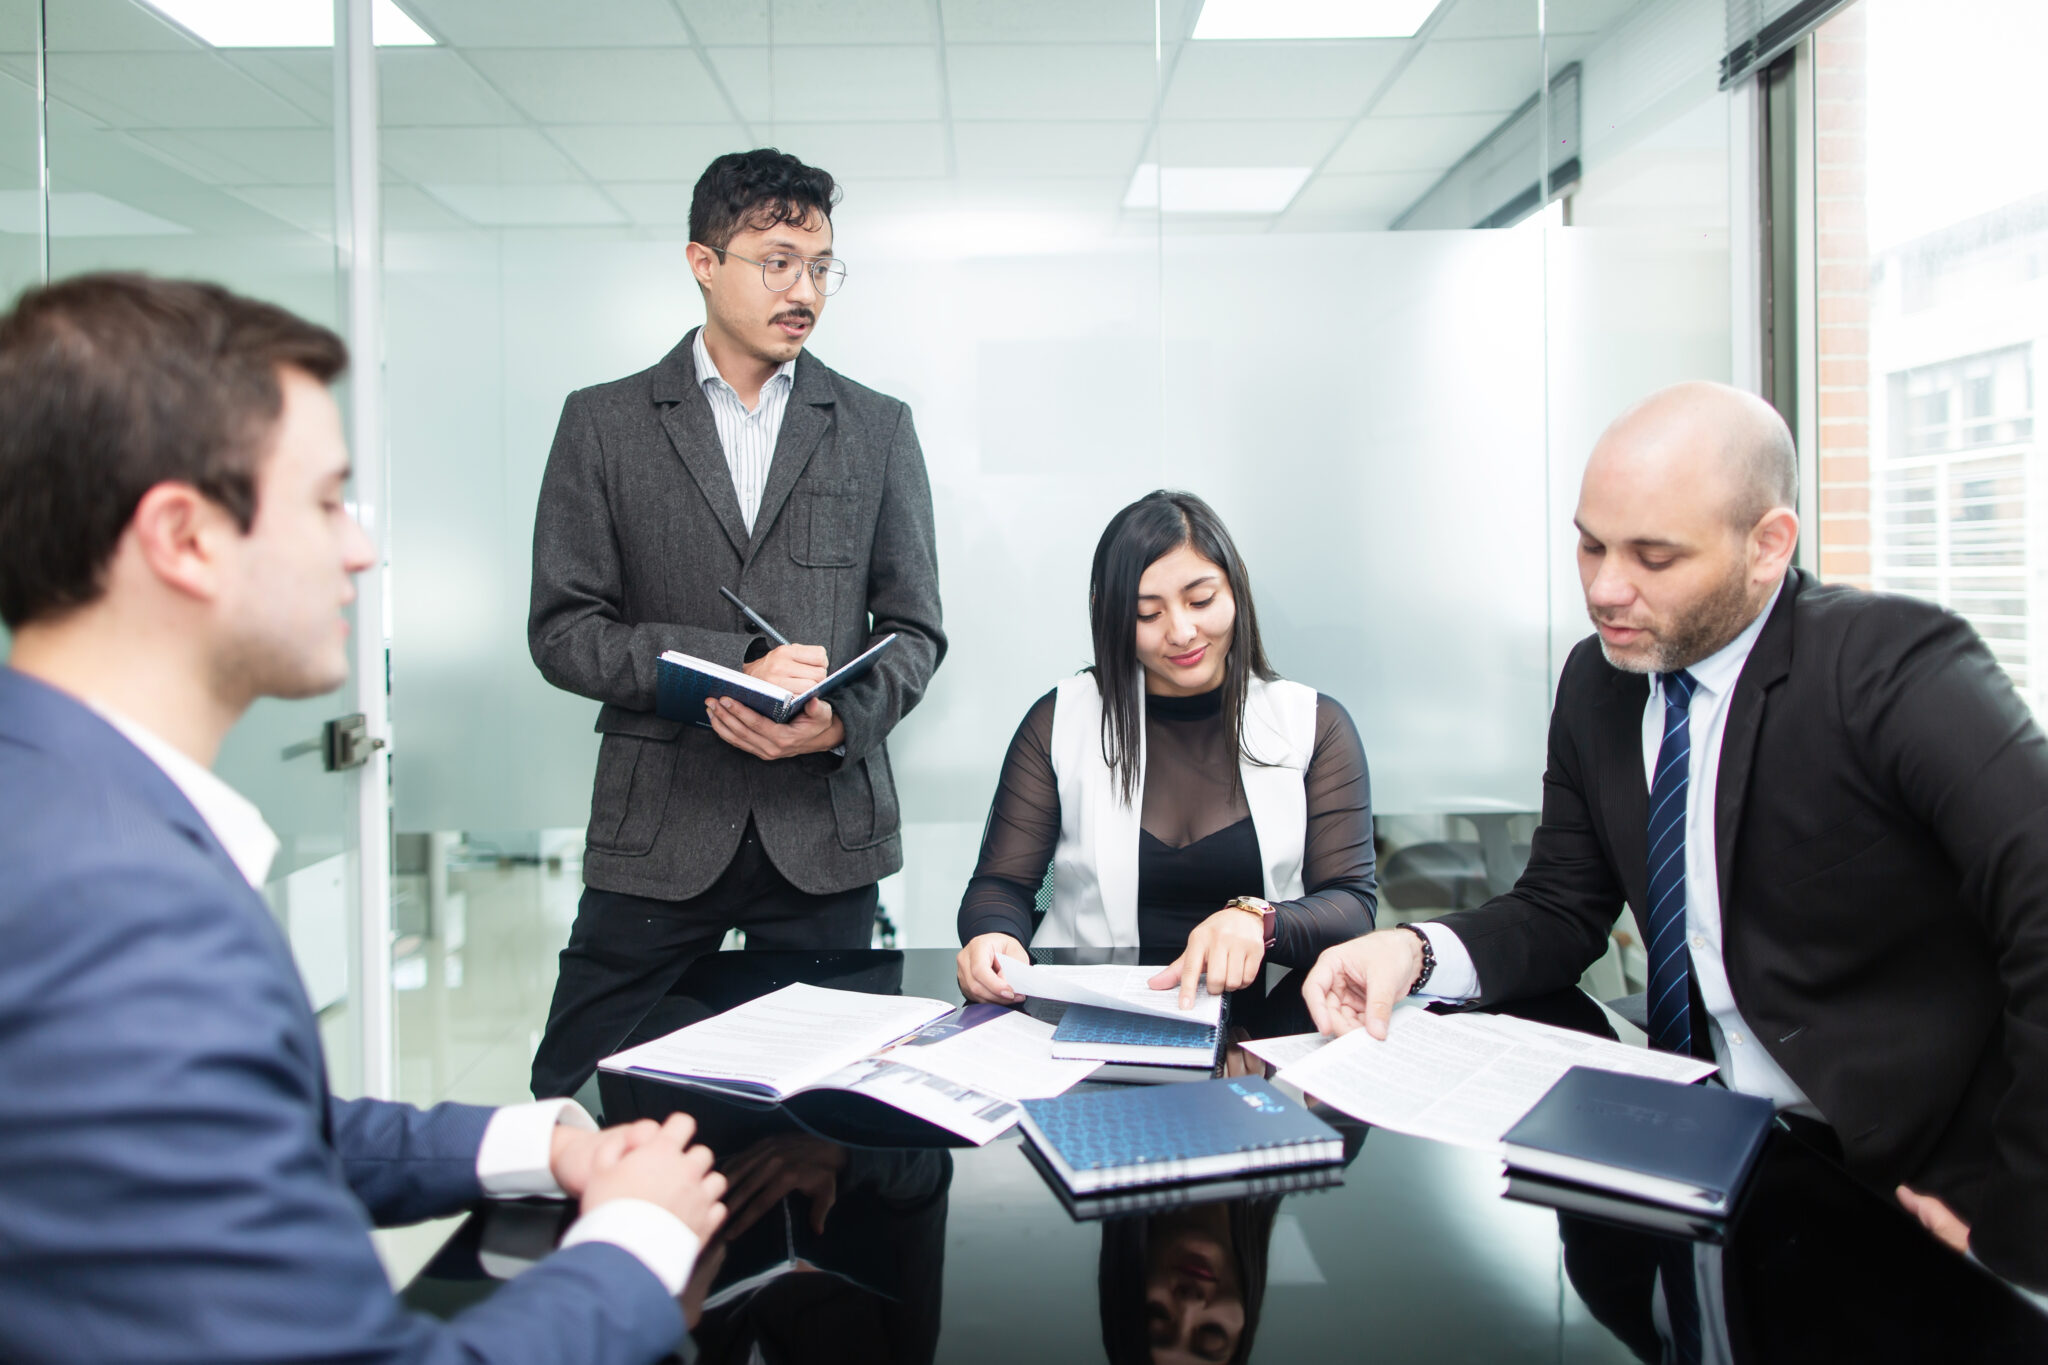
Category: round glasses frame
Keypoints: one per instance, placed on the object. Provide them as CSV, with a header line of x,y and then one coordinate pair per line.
x,y
827,273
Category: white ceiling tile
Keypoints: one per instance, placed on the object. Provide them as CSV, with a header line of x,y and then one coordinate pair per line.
x,y
1063,21
1583,16
1279,80
306,207
168,90
1517,18
252,156
1486,19
18,28
854,21
454,156
432,85
1410,144
1047,148
407,208
1468,76
605,85
1097,81
654,205
1364,203
528,205
1245,142
996,194
854,151
648,151
800,84
551,23
308,85
106,26
728,21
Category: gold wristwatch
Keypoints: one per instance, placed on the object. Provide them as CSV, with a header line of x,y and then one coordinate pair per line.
x,y
1269,918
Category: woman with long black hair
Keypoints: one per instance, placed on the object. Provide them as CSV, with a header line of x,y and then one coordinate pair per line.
x,y
1181,793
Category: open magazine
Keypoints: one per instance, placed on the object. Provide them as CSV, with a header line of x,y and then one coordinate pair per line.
x,y
963,1068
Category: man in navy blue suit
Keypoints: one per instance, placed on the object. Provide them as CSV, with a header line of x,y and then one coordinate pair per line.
x,y
176,1182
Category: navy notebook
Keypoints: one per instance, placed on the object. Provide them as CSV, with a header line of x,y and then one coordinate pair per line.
x,y
683,683
1689,1146
1116,1139
1087,1033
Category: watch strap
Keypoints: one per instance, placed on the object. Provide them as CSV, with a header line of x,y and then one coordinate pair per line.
x,y
1269,918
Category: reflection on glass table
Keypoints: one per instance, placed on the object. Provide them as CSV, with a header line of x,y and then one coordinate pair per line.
x,y
862,1234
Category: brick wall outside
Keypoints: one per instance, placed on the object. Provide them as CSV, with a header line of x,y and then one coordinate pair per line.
x,y
1842,259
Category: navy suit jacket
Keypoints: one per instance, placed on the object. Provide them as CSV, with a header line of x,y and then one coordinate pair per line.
x,y
176,1183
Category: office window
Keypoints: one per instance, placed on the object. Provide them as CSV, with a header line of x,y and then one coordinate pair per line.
x,y
1931,231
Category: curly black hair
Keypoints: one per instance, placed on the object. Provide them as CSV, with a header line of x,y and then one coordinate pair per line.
x,y
757,190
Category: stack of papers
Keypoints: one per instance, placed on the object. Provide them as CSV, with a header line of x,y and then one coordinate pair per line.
x,y
1462,1078
1111,988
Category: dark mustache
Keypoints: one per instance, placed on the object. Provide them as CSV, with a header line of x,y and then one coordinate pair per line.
x,y
788,313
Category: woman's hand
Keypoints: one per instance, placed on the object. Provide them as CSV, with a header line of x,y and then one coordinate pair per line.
x,y
1227,947
976,968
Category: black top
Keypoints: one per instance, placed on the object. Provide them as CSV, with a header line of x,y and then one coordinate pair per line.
x,y
1196,847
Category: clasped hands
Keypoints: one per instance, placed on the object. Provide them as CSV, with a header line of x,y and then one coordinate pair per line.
x,y
794,668
1227,947
644,1160
1357,984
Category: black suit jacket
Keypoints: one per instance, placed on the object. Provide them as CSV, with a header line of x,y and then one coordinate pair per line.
x,y
637,529
1881,835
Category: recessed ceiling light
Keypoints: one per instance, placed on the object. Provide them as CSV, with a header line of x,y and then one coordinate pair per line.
x,y
285,23
1215,189
1312,18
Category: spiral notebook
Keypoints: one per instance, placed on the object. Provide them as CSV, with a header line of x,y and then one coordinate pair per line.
x,y
1138,1048
1157,1135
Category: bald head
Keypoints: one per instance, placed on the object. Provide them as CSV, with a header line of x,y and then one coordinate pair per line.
x,y
1727,444
1686,524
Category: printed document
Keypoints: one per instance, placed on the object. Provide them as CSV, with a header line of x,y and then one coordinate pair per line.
x,y
963,1068
1463,1078
1112,987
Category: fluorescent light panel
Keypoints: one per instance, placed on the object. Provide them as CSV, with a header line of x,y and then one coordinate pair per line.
x,y
285,23
1215,189
1241,19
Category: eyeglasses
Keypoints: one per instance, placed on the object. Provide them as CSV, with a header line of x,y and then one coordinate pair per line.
x,y
779,270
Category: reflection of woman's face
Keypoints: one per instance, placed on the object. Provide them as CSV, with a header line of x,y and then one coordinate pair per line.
x,y
1186,616
1194,1299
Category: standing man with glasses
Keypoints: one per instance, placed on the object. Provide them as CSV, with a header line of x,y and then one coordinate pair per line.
x,y
737,462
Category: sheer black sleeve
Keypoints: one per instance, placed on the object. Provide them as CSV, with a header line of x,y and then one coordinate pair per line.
x,y
1023,830
1337,863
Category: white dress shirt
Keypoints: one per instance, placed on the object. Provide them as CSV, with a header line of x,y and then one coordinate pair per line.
x,y
746,437
516,1155
1745,1065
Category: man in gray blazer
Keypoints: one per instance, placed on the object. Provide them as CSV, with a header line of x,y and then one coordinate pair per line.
x,y
737,461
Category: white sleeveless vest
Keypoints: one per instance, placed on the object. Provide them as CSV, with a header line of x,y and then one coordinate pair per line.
x,y
1095,866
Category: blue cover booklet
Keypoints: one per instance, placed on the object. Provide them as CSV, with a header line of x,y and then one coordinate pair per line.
x,y
683,683
1116,1139
1689,1146
1142,1048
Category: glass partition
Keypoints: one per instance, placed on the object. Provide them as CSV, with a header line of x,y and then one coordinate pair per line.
x,y
182,157
1374,296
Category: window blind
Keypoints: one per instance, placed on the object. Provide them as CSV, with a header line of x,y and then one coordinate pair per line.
x,y
1760,31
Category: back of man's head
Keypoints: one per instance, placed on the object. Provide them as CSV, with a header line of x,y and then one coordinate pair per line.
x,y
111,384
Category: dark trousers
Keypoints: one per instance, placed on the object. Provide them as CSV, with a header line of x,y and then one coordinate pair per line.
x,y
626,951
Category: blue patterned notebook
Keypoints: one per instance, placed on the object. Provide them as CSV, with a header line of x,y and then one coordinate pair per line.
x,y
1122,1036
1116,1139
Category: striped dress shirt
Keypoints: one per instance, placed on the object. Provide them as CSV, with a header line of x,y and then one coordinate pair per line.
x,y
747,438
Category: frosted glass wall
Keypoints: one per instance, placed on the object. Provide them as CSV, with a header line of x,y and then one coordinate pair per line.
x,y
1392,422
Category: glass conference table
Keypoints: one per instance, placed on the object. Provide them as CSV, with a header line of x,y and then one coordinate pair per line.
x,y
935,1251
